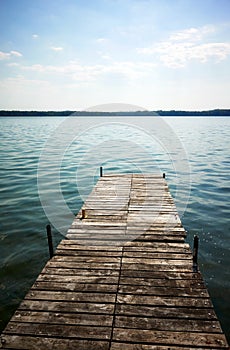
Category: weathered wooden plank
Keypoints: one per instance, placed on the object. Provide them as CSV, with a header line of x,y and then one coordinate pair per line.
x,y
35,342
121,240
102,233
52,285
155,267
184,284
83,265
71,251
67,306
163,291
104,218
158,247
70,296
86,223
97,242
112,239
166,324
78,272
69,331
166,301
140,346
164,255
86,259
62,318
69,242
164,275
157,261
157,229
164,311
169,338
126,237
99,229
78,279
106,212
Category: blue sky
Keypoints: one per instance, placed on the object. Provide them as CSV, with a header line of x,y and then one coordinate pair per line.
x,y
73,54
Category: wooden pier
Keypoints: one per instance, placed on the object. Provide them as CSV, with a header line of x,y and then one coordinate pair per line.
x,y
123,279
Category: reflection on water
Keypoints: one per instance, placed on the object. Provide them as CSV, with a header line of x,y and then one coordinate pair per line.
x,y
120,147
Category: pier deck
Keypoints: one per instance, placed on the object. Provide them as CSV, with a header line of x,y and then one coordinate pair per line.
x,y
122,279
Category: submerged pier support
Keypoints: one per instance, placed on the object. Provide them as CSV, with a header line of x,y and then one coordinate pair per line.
x,y
123,279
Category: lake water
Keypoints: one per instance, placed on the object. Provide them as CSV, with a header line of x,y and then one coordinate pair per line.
x,y
49,166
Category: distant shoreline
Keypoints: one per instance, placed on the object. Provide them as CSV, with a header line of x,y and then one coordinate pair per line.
x,y
172,113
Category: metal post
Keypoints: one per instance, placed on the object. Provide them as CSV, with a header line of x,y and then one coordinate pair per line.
x,y
163,175
50,241
195,253
83,214
101,171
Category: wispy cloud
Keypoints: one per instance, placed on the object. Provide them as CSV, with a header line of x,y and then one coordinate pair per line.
x,y
15,53
188,45
101,40
192,34
7,55
80,72
35,36
4,55
57,48
13,64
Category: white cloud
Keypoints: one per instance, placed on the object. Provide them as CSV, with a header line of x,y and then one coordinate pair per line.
x,y
16,53
7,55
13,64
101,40
4,55
35,36
79,72
192,34
187,45
177,55
56,48
106,57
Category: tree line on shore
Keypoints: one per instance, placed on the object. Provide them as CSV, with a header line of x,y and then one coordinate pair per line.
x,y
174,113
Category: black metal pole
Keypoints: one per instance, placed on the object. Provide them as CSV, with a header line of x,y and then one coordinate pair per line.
x,y
50,240
163,175
195,253
101,171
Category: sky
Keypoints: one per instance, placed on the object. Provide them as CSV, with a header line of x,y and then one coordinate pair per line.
x,y
74,54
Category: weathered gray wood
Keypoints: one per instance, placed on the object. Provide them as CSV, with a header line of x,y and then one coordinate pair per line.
x,y
86,259
166,324
83,265
62,330
165,311
140,346
164,275
169,338
122,279
62,317
163,291
78,279
51,285
70,296
181,284
35,342
170,301
80,272
67,306
155,255
155,267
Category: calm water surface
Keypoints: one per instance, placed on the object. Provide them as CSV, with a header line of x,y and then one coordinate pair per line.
x,y
194,153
